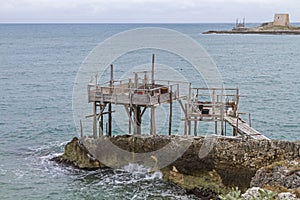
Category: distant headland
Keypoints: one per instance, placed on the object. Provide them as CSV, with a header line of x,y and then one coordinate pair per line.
x,y
280,25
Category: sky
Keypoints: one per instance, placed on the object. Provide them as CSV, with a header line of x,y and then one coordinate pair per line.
x,y
145,11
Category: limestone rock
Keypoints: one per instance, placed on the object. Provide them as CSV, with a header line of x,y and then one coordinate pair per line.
x,y
212,164
283,173
77,156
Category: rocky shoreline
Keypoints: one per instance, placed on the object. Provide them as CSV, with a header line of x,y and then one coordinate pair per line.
x,y
265,28
268,32
230,162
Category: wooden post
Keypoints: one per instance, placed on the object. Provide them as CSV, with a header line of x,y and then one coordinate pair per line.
x,y
237,103
216,127
109,120
189,126
95,121
225,127
235,130
130,118
195,126
109,105
81,131
222,112
171,112
100,118
152,121
250,123
189,110
136,79
185,120
214,103
138,120
101,126
106,128
111,82
152,71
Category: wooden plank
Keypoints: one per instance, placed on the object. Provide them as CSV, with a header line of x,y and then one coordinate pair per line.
x,y
244,129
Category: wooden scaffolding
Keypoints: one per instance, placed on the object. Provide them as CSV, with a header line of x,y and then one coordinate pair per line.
x,y
136,95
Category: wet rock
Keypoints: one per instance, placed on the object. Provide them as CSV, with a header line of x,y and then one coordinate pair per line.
x,y
212,164
76,155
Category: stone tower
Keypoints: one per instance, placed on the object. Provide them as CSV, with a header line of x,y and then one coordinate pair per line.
x,y
281,20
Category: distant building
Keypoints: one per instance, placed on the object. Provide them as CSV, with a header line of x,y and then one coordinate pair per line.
x,y
281,20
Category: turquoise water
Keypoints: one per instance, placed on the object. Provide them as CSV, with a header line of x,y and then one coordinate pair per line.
x,y
38,68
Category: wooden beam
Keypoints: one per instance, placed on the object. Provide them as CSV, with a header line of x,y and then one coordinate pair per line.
x,y
152,71
195,127
129,114
142,113
109,120
81,131
95,120
170,114
152,121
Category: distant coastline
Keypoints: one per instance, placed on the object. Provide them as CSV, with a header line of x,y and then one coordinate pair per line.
x,y
280,26
251,31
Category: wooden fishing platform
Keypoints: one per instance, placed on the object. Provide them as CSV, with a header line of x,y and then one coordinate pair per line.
x,y
136,95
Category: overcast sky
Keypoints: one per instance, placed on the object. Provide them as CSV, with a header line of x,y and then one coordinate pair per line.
x,y
135,11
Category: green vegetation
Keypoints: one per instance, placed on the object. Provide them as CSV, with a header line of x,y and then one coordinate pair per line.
x,y
235,194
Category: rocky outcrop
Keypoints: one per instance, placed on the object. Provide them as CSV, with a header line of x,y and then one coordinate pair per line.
x,y
282,176
265,28
210,164
77,156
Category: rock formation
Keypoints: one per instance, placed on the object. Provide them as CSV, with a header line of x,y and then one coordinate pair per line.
x,y
227,162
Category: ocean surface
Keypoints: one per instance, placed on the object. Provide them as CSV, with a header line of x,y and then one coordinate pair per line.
x,y
39,63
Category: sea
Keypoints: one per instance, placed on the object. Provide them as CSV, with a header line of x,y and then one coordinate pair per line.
x,y
39,65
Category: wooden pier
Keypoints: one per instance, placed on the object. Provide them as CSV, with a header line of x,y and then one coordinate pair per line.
x,y
136,95
244,129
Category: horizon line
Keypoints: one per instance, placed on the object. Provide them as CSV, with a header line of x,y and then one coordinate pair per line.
x,y
172,22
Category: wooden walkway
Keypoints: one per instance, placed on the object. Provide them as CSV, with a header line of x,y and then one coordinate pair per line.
x,y
244,128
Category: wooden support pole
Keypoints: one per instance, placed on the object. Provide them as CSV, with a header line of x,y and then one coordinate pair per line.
x,y
216,127
185,120
222,112
189,127
136,80
102,107
138,120
101,126
195,127
130,119
235,130
95,120
109,105
152,71
170,114
225,127
152,121
111,82
250,123
81,131
144,110
109,120
134,119
129,114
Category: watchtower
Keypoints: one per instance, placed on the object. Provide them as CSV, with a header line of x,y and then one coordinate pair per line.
x,y
281,20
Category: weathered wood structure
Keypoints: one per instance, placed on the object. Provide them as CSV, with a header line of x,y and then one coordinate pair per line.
x,y
218,105
135,95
